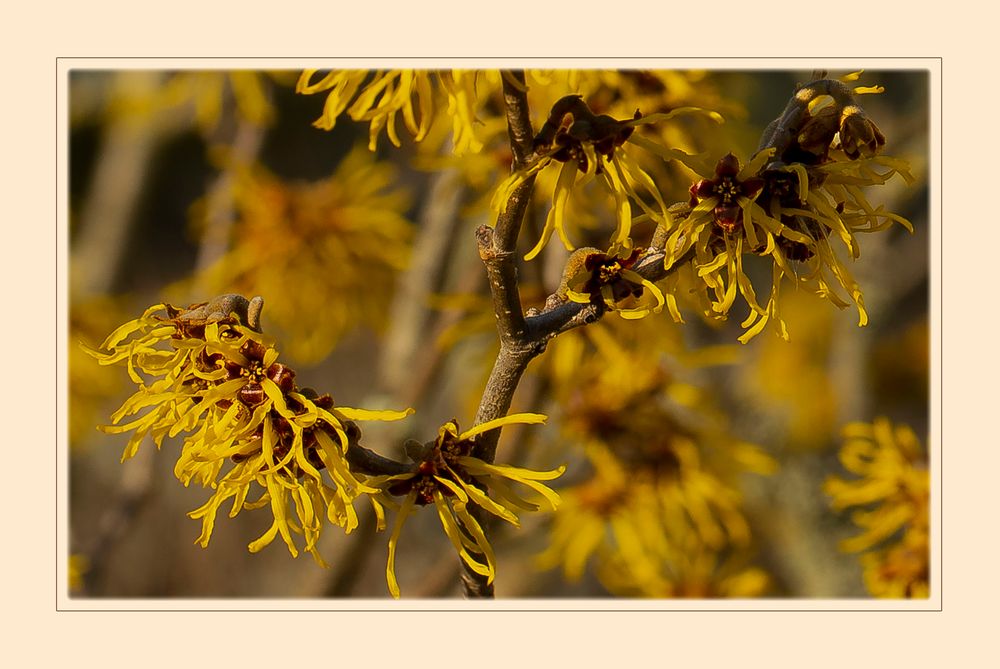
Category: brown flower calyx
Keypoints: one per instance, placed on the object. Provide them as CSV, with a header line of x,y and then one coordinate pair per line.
x,y
728,188
571,124
285,434
254,372
859,136
437,459
606,271
781,192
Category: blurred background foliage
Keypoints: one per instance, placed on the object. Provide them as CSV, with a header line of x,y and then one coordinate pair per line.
x,y
696,465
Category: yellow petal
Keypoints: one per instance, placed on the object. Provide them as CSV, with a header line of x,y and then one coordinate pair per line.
x,y
390,567
371,414
526,418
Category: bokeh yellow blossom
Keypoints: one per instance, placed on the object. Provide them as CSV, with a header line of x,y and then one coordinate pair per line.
x,y
328,252
208,91
654,527
200,97
791,380
77,567
659,510
891,492
90,387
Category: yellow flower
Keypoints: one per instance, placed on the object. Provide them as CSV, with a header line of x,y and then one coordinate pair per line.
x,y
722,224
789,202
900,570
205,372
787,214
460,486
689,569
592,144
892,490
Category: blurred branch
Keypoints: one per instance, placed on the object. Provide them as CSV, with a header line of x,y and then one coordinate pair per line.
x,y
351,563
133,492
424,370
127,147
219,206
408,314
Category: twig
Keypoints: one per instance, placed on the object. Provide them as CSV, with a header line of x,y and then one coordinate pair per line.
x,y
369,462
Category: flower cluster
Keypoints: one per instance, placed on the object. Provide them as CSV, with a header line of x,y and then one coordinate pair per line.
x,y
787,204
892,491
207,373
461,487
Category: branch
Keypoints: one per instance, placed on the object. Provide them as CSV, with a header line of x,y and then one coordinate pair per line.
x,y
520,339
117,520
219,203
497,248
501,271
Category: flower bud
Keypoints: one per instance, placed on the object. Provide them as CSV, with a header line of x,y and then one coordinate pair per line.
x,y
859,136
